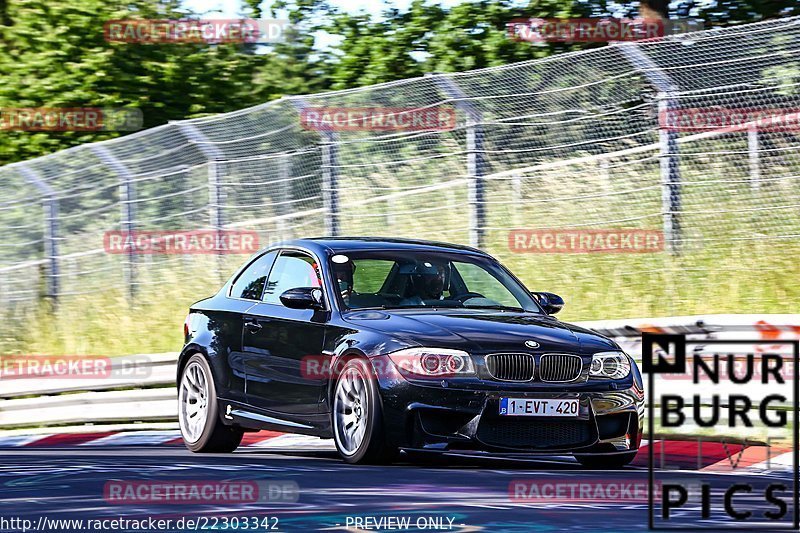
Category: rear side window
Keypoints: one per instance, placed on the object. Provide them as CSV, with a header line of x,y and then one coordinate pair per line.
x,y
250,283
291,270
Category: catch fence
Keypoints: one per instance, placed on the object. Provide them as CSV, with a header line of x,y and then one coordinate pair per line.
x,y
692,137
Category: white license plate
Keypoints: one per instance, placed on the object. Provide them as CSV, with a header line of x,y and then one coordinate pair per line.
x,y
539,407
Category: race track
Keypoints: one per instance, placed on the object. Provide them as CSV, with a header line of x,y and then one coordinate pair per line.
x,y
71,482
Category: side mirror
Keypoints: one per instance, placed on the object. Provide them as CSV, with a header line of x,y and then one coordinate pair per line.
x,y
302,298
551,303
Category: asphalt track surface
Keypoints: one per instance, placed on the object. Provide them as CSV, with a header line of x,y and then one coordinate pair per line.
x,y
474,494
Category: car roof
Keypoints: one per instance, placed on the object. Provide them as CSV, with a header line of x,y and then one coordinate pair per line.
x,y
352,244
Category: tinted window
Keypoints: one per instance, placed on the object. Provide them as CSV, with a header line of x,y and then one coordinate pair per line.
x,y
250,283
291,270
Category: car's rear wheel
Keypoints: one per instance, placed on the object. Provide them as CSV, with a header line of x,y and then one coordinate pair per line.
x,y
358,425
198,411
606,461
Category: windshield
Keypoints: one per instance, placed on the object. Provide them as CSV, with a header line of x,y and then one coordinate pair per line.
x,y
410,279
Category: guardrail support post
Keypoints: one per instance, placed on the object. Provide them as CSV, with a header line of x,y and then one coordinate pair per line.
x,y
476,158
128,210
50,205
668,142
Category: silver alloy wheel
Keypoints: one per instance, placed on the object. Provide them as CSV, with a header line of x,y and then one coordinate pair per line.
x,y
193,402
350,407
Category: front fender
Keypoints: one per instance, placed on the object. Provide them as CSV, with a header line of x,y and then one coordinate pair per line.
x,y
365,344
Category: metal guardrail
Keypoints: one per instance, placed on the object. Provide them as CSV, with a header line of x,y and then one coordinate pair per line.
x,y
130,371
137,388
141,388
91,407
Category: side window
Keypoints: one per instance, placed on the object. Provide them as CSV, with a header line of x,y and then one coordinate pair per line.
x,y
291,270
250,283
369,275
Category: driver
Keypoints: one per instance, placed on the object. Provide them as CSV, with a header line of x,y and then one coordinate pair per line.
x,y
427,283
343,272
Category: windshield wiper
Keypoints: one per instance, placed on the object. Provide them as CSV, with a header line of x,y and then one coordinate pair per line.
x,y
389,307
498,307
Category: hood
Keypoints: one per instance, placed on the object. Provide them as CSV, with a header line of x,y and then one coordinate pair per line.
x,y
477,330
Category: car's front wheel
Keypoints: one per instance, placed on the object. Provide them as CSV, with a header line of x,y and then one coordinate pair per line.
x,y
358,425
198,411
611,462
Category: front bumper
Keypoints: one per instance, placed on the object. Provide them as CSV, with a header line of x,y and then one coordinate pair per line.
x,y
445,415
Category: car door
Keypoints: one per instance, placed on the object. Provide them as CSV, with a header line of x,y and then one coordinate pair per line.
x,y
279,341
245,292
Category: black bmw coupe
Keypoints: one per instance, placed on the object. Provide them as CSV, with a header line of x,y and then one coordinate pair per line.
x,y
387,345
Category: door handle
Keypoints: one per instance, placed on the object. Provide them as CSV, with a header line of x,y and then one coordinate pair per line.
x,y
253,327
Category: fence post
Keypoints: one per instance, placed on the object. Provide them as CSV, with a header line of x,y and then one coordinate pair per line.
x,y
330,172
670,178
50,212
330,179
128,209
476,158
216,195
754,157
215,159
668,142
284,197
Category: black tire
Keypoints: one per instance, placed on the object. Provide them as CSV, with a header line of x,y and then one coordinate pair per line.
x,y
606,462
373,448
216,437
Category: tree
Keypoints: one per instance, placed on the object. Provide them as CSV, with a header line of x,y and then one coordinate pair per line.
x,y
55,55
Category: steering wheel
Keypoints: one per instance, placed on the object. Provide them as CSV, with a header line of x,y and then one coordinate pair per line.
x,y
468,296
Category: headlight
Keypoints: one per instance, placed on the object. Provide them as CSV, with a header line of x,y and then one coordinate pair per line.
x,y
433,362
610,365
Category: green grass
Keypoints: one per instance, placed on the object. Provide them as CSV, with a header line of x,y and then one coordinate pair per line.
x,y
108,322
743,280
